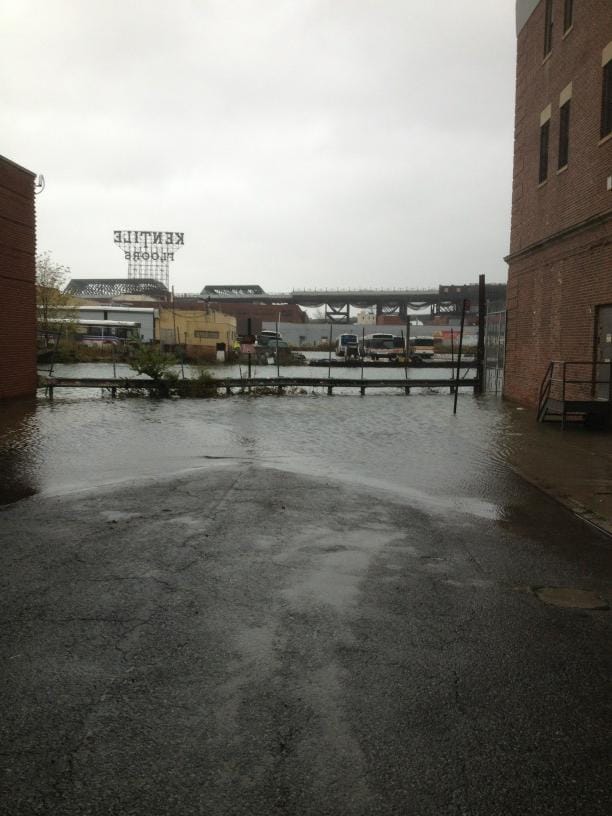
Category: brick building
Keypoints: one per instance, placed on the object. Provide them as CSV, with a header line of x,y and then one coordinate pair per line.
x,y
259,313
560,263
17,281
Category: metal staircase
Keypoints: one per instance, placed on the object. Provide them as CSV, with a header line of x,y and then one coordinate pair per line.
x,y
575,392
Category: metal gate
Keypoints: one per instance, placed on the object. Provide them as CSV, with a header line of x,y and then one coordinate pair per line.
x,y
495,351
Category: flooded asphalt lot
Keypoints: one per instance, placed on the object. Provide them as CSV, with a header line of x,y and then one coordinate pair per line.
x,y
296,605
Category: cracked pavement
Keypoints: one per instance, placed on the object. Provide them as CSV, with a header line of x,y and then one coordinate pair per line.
x,y
249,640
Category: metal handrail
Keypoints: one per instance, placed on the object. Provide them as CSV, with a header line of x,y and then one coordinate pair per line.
x,y
545,387
554,377
563,412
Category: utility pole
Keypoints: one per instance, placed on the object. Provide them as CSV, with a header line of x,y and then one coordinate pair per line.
x,y
480,349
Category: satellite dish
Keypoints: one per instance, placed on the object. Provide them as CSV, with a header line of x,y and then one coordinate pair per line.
x,y
39,184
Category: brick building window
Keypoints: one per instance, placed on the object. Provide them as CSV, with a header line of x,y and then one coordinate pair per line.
x,y
548,27
606,100
544,141
568,15
564,124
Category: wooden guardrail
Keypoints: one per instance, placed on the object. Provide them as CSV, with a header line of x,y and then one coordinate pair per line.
x,y
229,384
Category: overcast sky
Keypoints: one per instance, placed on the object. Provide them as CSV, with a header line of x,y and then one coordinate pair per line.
x,y
296,143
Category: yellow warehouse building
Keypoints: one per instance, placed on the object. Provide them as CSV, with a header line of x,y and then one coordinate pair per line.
x,y
203,333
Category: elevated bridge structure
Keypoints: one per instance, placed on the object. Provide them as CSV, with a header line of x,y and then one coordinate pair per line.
x,y
338,302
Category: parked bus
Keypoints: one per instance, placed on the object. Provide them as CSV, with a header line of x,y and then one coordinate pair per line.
x,y
98,332
381,346
422,346
347,345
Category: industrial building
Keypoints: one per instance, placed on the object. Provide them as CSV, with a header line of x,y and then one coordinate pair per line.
x,y
201,333
199,328
559,303
17,281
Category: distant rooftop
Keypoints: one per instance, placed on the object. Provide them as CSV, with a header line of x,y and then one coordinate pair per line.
x,y
246,289
113,287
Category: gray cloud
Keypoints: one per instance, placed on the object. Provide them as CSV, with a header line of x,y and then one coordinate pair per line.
x,y
297,144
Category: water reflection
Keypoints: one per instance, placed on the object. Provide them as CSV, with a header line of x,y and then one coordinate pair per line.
x,y
18,450
574,465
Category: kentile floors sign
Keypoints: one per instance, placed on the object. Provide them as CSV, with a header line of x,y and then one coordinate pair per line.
x,y
146,245
149,253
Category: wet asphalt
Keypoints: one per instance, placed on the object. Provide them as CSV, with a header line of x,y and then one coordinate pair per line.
x,y
245,639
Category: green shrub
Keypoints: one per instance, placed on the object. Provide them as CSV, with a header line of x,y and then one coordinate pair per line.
x,y
200,386
153,362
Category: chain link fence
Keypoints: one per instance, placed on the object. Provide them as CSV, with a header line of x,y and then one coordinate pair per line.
x,y
495,351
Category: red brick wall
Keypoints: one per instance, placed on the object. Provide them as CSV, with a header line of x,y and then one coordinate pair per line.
x,y
259,313
552,300
553,288
17,275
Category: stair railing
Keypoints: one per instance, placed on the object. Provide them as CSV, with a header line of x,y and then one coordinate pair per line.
x,y
563,387
544,393
610,392
560,381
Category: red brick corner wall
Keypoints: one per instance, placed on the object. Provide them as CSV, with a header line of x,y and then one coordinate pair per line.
x,y
560,262
17,281
553,297
578,191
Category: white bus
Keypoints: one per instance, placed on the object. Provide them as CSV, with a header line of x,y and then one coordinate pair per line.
x,y
381,346
422,346
97,332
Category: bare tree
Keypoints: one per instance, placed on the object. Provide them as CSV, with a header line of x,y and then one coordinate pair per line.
x,y
50,299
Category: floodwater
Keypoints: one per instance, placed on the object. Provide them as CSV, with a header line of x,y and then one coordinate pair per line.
x,y
407,444
248,640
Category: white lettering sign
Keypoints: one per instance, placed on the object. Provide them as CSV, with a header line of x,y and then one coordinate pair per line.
x,y
146,238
